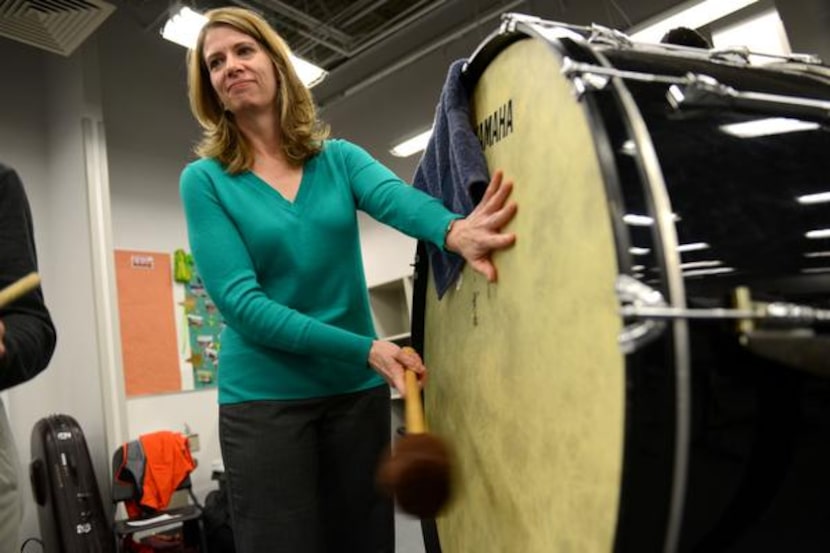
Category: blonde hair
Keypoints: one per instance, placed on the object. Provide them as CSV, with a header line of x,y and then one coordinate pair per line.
x,y
302,132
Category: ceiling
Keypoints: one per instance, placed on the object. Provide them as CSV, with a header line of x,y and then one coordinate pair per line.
x,y
387,59
355,40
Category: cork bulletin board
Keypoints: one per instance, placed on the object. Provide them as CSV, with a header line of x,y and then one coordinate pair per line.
x,y
147,322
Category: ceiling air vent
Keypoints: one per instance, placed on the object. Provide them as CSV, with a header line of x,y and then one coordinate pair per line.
x,y
58,26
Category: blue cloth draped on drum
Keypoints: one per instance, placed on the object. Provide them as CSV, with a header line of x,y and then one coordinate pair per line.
x,y
452,168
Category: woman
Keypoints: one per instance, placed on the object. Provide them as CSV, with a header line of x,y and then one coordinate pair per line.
x,y
271,213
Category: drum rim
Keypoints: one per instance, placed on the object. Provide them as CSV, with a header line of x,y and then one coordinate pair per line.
x,y
657,195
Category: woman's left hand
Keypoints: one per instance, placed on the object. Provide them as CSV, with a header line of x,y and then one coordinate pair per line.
x,y
479,234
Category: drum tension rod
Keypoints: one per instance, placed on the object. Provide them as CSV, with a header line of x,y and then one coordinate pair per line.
x,y
644,302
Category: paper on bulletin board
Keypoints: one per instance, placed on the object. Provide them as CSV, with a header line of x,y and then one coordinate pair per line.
x,y
204,324
148,327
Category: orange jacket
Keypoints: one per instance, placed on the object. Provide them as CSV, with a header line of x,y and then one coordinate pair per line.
x,y
167,463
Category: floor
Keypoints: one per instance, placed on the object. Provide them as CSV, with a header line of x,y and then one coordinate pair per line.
x,y
408,537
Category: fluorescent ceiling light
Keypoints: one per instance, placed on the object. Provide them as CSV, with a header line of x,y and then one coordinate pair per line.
x,y
183,29
694,15
703,272
764,127
412,145
629,148
700,264
817,254
308,73
643,220
819,198
692,246
637,220
816,270
819,233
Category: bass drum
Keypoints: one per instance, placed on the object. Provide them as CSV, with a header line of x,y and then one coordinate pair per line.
x,y
627,385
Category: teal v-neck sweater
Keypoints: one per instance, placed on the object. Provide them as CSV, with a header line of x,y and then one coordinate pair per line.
x,y
288,276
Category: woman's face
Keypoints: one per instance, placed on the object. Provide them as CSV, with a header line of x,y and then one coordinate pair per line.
x,y
241,72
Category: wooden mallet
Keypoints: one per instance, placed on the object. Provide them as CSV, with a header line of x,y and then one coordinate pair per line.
x,y
19,288
418,470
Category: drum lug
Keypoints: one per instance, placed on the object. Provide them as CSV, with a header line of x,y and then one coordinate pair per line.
x,y
583,81
633,293
609,37
807,59
641,301
509,21
699,90
733,54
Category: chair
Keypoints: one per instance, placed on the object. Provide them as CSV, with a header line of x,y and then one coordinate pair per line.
x,y
128,460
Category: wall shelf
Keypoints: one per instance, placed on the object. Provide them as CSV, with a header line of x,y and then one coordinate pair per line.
x,y
391,304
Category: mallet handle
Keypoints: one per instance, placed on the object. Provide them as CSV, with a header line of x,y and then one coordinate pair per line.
x,y
19,288
413,408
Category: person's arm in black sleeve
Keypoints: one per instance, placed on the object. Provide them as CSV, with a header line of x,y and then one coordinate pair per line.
x,y
28,335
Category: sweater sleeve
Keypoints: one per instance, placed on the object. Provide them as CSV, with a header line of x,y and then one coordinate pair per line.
x,y
230,278
30,334
385,197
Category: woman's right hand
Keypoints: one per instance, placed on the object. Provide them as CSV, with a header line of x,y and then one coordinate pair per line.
x,y
478,235
390,361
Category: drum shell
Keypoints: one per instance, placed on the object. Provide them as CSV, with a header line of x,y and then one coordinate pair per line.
x,y
741,405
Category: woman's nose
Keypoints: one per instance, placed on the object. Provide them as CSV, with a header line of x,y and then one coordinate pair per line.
x,y
231,65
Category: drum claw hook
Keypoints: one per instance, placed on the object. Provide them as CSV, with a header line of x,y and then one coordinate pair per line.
x,y
636,294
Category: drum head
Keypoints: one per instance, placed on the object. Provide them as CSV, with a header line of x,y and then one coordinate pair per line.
x,y
527,378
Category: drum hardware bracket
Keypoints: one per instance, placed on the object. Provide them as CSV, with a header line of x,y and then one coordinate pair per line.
x,y
696,90
510,20
744,54
587,77
641,301
632,292
571,69
806,59
772,312
732,54
596,34
609,37
699,90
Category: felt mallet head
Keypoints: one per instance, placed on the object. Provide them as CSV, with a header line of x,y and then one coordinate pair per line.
x,y
418,469
417,472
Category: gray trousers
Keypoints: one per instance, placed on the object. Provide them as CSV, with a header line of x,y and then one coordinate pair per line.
x,y
301,474
11,503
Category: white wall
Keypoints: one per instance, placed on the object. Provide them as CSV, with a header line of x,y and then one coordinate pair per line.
x,y
40,135
135,83
24,146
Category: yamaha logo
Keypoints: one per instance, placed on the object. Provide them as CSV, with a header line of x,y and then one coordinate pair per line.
x,y
496,126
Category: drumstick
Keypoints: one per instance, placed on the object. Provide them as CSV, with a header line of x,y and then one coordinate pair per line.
x,y
19,288
417,472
